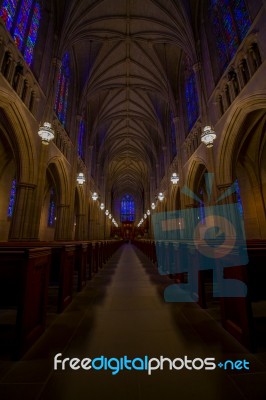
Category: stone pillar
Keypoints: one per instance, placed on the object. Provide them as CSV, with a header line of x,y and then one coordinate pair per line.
x,y
179,158
90,149
22,226
260,208
11,71
62,231
80,227
26,92
2,51
201,95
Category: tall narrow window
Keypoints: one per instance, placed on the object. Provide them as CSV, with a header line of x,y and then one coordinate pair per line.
x,y
81,139
191,95
33,32
127,209
201,209
230,22
51,210
12,199
238,198
62,90
22,19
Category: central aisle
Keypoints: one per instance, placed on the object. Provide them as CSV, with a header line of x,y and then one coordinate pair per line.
x,y
122,313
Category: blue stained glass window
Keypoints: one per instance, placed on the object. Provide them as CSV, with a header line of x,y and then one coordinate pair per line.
x,y
62,90
22,19
201,209
238,198
127,208
81,138
12,198
51,210
22,23
7,12
230,24
32,36
191,96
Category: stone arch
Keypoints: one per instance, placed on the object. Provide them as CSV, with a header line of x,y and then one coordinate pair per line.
x,y
242,157
194,176
233,135
56,180
20,136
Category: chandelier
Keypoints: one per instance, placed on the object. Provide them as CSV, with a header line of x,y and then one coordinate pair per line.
x,y
94,196
161,196
46,133
208,136
174,178
80,178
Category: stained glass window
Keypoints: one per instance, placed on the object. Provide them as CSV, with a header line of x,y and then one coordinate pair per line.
x,y
201,209
12,198
22,23
238,198
32,36
22,19
81,138
51,210
191,96
62,90
127,208
230,24
7,12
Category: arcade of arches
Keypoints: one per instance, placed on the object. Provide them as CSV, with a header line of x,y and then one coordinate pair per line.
x,y
128,86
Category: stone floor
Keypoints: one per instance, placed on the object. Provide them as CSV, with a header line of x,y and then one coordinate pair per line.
x,y
122,313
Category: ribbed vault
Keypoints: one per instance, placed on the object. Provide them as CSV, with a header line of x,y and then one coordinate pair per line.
x,y
127,55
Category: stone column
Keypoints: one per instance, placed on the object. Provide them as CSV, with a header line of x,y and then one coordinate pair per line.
x,y
22,226
179,158
200,89
260,207
62,223
80,227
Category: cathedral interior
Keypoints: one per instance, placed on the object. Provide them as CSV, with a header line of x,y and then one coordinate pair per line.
x,y
132,169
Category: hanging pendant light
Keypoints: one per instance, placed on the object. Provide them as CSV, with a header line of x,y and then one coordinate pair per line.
x,y
94,196
102,206
208,136
174,178
161,196
153,206
46,133
80,178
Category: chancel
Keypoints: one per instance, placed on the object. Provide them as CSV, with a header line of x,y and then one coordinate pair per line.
x,y
132,199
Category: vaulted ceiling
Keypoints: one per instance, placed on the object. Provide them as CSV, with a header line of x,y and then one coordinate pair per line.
x,y
127,58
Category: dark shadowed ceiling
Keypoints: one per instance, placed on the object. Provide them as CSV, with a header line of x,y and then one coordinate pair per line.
x,y
127,57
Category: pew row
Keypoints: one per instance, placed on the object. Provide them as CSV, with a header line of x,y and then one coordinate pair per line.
x,y
24,275
236,313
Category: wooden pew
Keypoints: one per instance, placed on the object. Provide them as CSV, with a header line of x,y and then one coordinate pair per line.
x,y
24,275
62,268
